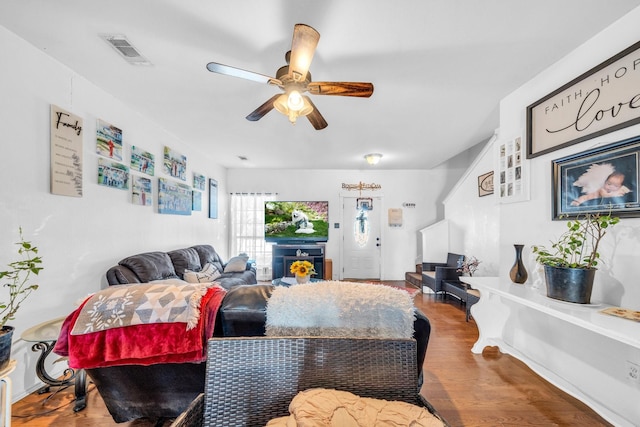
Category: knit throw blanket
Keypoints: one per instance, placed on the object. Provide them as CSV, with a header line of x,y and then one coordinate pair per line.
x,y
142,324
340,309
126,305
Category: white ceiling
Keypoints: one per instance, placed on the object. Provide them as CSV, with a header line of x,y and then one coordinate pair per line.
x,y
439,67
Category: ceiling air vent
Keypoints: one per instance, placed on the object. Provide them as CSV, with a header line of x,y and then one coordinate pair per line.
x,y
130,54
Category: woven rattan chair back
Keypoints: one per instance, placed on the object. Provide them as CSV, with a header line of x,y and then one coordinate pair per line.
x,y
252,380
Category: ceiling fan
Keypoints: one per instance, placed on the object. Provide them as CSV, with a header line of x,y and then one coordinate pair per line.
x,y
294,79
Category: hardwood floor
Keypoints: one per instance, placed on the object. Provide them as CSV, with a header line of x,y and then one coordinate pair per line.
x,y
491,389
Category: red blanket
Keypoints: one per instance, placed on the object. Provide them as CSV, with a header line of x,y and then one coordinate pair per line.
x,y
145,344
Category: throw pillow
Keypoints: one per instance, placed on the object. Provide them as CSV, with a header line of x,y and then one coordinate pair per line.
x,y
208,274
237,263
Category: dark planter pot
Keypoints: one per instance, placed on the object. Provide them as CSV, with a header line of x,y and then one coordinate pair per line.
x,y
569,284
6,335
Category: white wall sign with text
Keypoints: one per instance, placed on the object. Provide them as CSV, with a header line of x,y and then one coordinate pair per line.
x,y
66,153
602,100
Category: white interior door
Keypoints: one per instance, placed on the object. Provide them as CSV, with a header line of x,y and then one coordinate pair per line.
x,y
361,240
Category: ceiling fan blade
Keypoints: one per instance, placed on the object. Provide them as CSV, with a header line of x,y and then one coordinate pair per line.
x,y
214,67
262,110
303,46
359,89
316,119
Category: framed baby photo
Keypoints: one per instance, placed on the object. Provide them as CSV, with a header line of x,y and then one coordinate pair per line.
x,y
601,180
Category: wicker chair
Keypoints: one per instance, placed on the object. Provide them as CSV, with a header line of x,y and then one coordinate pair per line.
x,y
252,380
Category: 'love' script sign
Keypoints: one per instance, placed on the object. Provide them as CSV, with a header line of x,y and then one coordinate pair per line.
x,y
603,99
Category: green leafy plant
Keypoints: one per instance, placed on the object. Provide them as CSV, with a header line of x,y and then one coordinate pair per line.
x,y
578,246
16,279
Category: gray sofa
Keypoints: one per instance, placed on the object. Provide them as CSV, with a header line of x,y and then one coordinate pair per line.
x,y
434,273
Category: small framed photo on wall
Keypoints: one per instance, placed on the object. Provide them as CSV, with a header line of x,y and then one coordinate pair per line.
x,y
485,184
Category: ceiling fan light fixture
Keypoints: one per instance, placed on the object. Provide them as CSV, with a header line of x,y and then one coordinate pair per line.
x,y
295,101
292,108
373,158
295,79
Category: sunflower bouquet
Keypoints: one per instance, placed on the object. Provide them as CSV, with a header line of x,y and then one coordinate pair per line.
x,y
302,268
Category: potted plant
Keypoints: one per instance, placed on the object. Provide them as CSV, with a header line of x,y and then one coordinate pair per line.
x,y
16,281
570,264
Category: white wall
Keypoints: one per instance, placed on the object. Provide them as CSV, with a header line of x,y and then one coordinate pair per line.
x,y
475,219
529,222
79,238
400,245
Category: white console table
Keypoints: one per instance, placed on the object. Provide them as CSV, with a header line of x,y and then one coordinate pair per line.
x,y
583,352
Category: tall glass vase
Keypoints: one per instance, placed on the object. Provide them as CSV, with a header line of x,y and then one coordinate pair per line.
x,y
518,273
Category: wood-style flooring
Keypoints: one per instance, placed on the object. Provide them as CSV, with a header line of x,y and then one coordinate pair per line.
x,y
491,389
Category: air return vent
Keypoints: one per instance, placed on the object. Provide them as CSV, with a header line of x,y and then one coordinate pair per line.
x,y
120,43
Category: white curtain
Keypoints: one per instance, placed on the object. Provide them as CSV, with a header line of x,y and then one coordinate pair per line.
x,y
247,227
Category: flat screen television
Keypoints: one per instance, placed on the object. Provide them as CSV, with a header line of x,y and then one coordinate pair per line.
x,y
295,222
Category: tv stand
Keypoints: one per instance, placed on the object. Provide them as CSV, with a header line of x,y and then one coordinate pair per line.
x,y
284,255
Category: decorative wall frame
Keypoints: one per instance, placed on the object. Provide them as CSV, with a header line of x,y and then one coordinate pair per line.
x,y
108,140
142,161
485,184
604,99
199,181
197,201
174,197
213,198
364,203
141,191
113,174
66,152
579,181
513,185
395,217
174,164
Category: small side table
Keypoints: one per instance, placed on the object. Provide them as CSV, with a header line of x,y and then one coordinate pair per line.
x,y
289,281
45,336
6,393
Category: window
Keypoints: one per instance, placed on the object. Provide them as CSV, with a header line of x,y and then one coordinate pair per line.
x,y
247,227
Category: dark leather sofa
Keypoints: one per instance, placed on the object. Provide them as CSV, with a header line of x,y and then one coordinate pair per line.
x,y
150,266
164,391
434,273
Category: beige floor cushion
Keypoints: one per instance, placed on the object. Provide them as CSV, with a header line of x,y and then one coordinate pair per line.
x,y
320,407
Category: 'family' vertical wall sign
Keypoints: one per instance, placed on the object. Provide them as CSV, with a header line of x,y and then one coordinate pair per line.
x,y
66,153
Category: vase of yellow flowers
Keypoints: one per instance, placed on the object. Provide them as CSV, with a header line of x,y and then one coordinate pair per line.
x,y
302,270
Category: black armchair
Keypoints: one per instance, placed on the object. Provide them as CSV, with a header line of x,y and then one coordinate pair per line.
x,y
434,273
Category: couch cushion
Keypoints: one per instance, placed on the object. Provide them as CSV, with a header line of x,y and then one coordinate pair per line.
x,y
185,259
208,274
236,264
150,266
229,280
244,310
209,255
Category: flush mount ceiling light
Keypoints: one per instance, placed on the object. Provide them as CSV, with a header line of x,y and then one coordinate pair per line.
x,y
373,158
